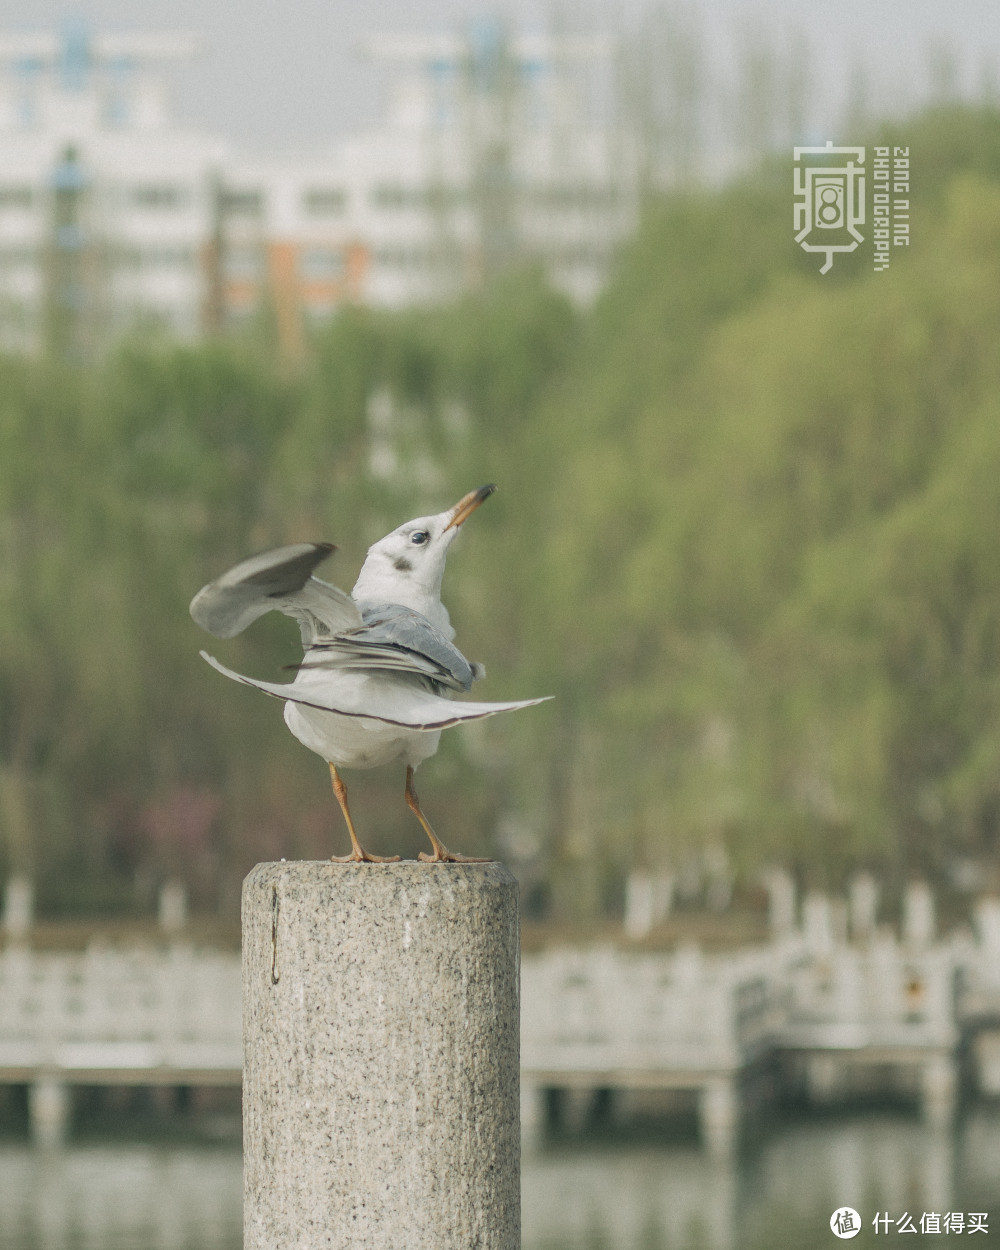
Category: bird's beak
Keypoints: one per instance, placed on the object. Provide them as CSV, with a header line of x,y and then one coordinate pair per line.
x,y
467,505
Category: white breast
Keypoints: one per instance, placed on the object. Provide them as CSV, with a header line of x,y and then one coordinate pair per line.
x,y
358,742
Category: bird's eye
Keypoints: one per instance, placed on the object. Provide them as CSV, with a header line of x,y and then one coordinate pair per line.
x,y
419,537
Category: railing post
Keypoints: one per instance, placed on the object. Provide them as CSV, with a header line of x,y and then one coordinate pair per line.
x,y
172,911
719,1113
380,1034
49,1111
18,908
532,1112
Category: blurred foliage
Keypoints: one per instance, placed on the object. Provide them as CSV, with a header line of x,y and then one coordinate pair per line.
x,y
746,535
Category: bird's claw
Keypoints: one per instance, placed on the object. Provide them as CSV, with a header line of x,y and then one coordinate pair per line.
x,y
449,857
363,858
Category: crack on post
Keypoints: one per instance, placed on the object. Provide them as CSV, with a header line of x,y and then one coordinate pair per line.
x,y
275,909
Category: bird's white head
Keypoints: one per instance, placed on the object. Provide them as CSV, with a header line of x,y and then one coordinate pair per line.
x,y
407,565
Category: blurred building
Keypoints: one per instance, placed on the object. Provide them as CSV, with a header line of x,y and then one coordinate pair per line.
x,y
106,207
495,149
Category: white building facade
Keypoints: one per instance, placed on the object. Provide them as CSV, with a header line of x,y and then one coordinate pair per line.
x,y
492,152
105,206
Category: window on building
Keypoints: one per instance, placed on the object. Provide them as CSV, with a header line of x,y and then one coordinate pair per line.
x,y
15,257
115,111
439,197
324,201
408,258
16,197
243,264
575,197
319,310
321,264
396,196
241,201
156,256
586,254
241,314
176,256
159,196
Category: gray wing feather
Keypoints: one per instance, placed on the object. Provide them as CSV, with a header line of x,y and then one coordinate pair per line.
x,y
336,632
397,638
322,610
276,580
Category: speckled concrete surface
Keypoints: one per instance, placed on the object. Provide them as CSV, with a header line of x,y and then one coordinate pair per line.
x,y
380,1086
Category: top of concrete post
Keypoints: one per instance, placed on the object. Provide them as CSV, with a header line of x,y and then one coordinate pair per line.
x,y
392,896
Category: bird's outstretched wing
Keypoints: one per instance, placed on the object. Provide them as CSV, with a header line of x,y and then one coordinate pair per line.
x,y
277,580
411,706
337,633
397,638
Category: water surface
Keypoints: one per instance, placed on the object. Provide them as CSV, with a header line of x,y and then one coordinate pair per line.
x,y
576,1196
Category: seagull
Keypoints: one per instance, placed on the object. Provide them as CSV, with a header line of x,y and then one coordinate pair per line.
x,y
379,664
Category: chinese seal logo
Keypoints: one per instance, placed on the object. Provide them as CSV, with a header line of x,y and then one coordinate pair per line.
x,y
829,200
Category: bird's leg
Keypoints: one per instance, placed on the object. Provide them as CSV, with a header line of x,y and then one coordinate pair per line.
x,y
358,854
441,853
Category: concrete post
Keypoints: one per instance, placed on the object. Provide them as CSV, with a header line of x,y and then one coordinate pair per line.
x,y
381,1065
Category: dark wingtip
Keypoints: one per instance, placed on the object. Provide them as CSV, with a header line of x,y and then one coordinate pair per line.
x,y
297,570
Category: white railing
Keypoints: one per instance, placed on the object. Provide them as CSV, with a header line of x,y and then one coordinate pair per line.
x,y
878,995
583,1010
603,1010
110,1009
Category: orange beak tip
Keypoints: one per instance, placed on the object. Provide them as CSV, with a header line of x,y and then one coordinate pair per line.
x,y
468,504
